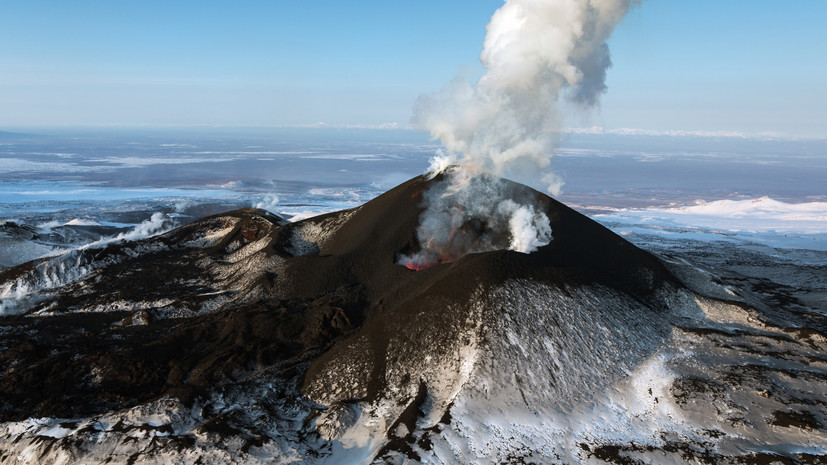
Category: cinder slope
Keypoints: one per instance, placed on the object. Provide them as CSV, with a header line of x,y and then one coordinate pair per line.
x,y
243,338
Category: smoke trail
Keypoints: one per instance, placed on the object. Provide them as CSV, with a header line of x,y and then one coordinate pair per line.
x,y
535,51
269,202
507,124
156,224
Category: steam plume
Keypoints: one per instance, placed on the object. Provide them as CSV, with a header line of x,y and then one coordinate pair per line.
x,y
535,51
156,224
507,124
269,202
456,222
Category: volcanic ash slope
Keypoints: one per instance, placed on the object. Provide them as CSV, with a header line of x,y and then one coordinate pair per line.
x,y
242,338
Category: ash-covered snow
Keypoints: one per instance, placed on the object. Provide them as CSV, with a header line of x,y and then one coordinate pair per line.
x,y
530,372
310,236
732,372
594,385
536,373
34,290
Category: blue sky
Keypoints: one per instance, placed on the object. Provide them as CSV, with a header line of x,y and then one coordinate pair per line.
x,y
749,66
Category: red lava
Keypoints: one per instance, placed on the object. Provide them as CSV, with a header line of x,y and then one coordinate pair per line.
x,y
415,267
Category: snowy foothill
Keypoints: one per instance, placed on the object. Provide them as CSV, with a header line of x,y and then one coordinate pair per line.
x,y
762,220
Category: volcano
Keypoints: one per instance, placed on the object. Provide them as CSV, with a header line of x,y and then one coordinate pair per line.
x,y
244,338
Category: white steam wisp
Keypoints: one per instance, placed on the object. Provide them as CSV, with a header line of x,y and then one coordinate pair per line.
x,y
269,203
156,224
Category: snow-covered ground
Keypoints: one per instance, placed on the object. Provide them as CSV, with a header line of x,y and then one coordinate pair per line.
x,y
763,220
749,216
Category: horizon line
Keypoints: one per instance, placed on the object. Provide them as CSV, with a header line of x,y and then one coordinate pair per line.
x,y
390,126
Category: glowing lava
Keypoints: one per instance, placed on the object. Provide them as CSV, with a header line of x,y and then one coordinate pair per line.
x,y
416,266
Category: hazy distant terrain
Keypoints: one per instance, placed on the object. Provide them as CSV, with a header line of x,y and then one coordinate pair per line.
x,y
598,169
637,184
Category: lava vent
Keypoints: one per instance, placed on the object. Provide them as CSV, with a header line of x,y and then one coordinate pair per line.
x,y
465,213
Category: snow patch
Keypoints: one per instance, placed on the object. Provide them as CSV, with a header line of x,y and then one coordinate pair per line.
x,y
762,220
82,222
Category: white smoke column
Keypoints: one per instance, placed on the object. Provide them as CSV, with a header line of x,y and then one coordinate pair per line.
x,y
507,124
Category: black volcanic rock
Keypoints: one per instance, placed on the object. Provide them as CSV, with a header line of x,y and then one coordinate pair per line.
x,y
249,336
